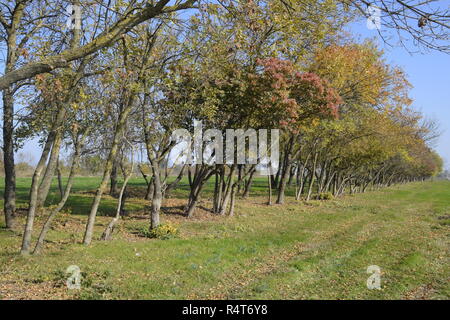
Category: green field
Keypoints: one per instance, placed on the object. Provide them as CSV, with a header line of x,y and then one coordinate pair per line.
x,y
315,250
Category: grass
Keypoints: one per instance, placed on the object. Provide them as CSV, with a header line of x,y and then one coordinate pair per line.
x,y
316,250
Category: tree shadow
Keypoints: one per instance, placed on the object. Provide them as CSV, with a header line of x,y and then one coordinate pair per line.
x,y
174,210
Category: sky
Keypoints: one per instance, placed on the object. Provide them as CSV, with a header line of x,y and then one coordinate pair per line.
x,y
428,72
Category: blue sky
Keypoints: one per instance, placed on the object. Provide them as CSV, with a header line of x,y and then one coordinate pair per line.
x,y
429,73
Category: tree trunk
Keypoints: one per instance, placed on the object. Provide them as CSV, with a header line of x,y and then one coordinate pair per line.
x,y
227,197
248,185
322,176
313,176
292,174
216,192
239,177
60,183
9,195
157,200
174,183
233,200
193,199
283,182
26,240
114,190
286,171
201,175
220,188
120,205
120,128
301,177
45,185
9,206
150,190
66,193
329,181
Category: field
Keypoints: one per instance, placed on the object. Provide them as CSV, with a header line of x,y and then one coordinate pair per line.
x,y
315,250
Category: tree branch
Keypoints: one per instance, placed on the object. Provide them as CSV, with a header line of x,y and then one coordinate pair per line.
x,y
103,40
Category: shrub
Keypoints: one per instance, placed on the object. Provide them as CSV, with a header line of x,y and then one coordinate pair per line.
x,y
325,196
163,232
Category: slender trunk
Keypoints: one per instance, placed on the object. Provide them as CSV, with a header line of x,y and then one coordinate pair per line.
x,y
235,188
194,197
292,174
313,176
44,187
233,200
322,176
201,175
216,192
123,201
174,183
60,183
120,128
26,240
220,174
66,193
239,177
342,185
248,185
276,178
114,190
301,177
120,205
283,182
286,171
330,180
335,184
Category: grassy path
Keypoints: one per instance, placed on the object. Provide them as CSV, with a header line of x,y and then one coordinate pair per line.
x,y
297,251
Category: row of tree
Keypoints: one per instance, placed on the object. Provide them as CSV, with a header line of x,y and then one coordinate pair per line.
x,y
138,70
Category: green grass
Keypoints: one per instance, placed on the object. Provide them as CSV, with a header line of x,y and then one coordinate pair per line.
x,y
83,189
319,250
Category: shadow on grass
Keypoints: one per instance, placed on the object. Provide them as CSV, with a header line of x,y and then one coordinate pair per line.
x,y
175,210
84,188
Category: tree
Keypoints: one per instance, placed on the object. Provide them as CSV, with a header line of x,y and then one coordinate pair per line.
x,y
126,17
18,28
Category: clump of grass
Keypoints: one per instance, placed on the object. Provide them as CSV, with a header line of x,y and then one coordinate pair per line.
x,y
324,196
93,284
163,232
